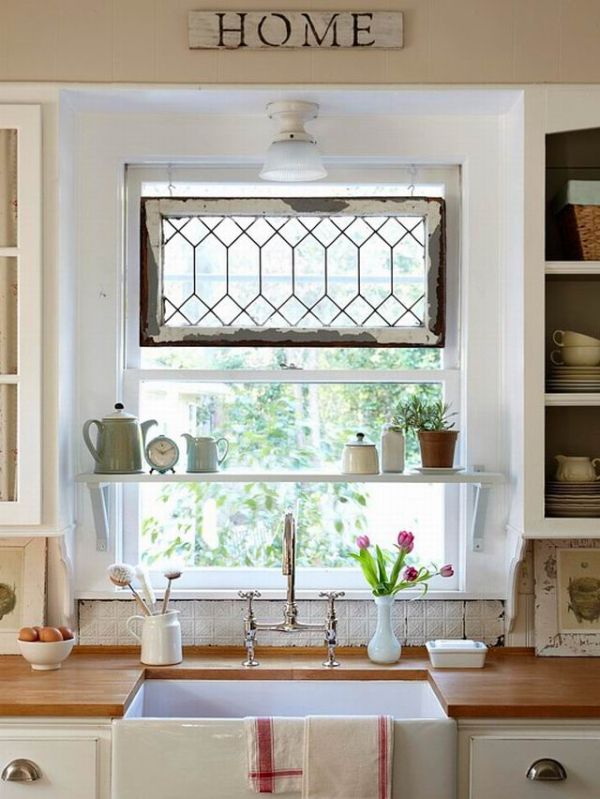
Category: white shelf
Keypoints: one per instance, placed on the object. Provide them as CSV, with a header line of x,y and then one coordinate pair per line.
x,y
102,487
566,400
249,476
562,527
573,267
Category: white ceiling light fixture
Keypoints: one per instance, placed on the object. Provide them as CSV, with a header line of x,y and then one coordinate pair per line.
x,y
293,155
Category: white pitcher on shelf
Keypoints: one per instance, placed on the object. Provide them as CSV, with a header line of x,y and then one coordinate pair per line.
x,y
576,469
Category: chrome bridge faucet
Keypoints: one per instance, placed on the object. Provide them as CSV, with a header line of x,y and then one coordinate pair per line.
x,y
290,623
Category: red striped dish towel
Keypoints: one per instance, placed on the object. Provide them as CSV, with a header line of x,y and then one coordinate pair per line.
x,y
348,757
322,757
275,751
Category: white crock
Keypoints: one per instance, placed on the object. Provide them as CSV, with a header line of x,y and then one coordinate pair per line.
x,y
160,638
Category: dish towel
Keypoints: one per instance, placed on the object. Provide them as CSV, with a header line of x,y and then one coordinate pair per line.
x,y
321,757
275,751
348,757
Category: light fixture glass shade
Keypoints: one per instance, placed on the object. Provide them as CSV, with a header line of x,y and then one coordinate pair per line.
x,y
292,161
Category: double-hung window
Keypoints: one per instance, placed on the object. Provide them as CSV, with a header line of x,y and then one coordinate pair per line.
x,y
286,319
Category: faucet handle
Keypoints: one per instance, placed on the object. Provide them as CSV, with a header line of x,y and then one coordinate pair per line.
x,y
331,596
250,596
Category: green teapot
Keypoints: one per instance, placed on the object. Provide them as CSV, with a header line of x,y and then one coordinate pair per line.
x,y
120,442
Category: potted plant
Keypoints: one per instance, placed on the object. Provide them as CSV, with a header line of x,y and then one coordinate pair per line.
x,y
430,420
388,574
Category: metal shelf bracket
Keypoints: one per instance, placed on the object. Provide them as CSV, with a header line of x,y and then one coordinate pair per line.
x,y
480,500
99,494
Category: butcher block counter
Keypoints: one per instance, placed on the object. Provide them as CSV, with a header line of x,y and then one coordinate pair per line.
x,y
100,682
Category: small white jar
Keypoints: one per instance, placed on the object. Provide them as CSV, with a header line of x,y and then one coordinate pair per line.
x,y
360,456
392,449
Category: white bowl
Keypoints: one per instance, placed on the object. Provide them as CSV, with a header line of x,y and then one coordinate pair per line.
x,y
46,656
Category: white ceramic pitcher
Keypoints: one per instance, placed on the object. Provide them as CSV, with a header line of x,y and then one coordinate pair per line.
x,y
160,638
203,453
576,469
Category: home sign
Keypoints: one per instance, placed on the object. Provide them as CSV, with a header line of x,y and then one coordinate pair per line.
x,y
275,30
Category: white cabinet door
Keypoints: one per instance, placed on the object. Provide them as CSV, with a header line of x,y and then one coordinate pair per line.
x,y
68,768
20,315
499,768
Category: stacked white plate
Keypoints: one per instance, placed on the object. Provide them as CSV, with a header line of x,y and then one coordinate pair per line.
x,y
572,499
574,378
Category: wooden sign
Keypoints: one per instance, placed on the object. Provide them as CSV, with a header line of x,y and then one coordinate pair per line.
x,y
275,30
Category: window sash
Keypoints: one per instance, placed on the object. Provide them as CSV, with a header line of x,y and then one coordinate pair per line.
x,y
154,331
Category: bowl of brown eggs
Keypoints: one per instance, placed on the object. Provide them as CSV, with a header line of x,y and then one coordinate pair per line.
x,y
46,647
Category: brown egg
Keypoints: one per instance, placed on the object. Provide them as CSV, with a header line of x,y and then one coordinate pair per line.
x,y
50,635
67,633
28,634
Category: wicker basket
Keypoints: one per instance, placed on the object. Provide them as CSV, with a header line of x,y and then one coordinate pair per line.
x,y
580,228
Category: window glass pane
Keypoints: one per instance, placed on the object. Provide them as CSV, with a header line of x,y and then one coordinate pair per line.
x,y
278,425
239,526
274,357
293,271
8,316
358,272
8,187
8,443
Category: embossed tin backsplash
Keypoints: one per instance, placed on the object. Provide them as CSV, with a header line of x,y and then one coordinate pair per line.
x,y
219,622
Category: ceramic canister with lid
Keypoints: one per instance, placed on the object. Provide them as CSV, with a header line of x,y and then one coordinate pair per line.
x,y
360,456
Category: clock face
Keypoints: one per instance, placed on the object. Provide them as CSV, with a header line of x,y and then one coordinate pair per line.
x,y
162,453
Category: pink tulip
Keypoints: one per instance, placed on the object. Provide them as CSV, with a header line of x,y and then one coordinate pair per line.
x,y
410,574
363,542
406,541
447,570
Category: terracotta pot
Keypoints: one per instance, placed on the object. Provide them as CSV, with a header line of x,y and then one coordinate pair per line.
x,y
437,448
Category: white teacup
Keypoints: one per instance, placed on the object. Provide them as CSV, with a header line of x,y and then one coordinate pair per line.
x,y
568,338
576,356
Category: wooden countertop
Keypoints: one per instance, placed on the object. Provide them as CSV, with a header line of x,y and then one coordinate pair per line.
x,y
101,682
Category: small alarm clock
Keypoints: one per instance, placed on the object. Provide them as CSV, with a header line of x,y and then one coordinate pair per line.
x,y
162,454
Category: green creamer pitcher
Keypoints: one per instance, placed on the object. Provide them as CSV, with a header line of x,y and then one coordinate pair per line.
x,y
119,444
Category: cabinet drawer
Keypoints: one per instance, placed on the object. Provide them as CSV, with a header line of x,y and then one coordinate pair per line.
x,y
67,766
499,768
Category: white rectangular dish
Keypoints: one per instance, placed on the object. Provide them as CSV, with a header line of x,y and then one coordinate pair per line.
x,y
449,654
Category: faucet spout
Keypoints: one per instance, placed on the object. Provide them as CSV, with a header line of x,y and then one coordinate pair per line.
x,y
288,568
288,565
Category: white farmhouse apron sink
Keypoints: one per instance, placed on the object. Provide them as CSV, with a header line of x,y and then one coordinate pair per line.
x,y
184,739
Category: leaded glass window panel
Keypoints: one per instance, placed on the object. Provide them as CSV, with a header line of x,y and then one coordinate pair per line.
x,y
310,271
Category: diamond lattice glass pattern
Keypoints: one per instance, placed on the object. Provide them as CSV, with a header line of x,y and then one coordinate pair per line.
x,y
359,272
294,272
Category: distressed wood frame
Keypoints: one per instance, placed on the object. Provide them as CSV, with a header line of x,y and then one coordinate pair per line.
x,y
277,30
34,589
153,333
549,640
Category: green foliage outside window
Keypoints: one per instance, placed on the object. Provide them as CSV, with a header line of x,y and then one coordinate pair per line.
x,y
280,426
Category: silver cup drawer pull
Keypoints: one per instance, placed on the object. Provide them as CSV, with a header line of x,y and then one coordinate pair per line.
x,y
21,770
547,770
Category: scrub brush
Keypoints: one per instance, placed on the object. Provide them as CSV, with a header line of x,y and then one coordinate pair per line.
x,y
172,573
141,572
122,575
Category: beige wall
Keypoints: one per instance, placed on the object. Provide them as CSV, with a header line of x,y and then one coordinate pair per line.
x,y
447,41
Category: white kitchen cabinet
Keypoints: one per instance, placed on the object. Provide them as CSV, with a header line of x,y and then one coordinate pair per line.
x,y
20,315
496,756
499,768
67,768
73,760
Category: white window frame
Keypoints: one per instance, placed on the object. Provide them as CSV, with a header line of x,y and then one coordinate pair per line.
x,y
310,580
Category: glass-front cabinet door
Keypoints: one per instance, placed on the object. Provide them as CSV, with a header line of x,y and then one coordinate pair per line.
x,y
20,315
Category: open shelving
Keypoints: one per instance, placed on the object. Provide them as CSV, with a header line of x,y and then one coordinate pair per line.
x,y
100,485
